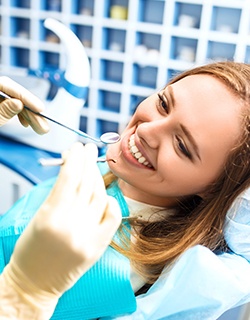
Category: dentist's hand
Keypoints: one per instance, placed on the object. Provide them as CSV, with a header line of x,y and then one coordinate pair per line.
x,y
68,234
14,106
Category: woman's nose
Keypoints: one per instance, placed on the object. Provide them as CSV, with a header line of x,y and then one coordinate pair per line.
x,y
152,132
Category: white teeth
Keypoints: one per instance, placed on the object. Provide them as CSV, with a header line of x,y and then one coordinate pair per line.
x,y
136,153
142,160
134,149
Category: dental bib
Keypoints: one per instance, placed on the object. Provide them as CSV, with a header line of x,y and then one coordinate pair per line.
x,y
103,291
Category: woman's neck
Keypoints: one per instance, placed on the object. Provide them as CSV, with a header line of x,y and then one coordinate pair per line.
x,y
138,195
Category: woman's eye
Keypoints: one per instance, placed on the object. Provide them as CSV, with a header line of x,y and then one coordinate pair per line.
x,y
183,148
162,103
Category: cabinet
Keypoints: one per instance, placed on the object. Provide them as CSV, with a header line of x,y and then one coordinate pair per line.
x,y
134,46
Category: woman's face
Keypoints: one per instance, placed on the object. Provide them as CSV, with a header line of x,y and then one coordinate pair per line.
x,y
177,141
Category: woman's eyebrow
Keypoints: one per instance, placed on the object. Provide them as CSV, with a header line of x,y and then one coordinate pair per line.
x,y
185,130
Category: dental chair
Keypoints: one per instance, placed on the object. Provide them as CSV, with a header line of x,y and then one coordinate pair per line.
x,y
21,148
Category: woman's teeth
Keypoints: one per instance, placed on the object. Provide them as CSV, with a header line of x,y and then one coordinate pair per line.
x,y
136,153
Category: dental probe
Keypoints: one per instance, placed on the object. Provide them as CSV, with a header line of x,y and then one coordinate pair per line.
x,y
59,161
106,138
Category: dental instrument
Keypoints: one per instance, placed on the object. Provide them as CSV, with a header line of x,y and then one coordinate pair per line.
x,y
45,162
106,138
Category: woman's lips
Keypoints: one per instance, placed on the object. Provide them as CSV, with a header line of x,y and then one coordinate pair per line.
x,y
137,154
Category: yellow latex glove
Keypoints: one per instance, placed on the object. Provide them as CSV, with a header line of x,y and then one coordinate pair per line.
x,y
68,234
20,97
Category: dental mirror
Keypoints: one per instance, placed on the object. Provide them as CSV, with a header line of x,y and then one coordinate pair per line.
x,y
106,138
110,137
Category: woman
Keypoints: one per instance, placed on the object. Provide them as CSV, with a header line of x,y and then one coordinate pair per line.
x,y
180,164
183,146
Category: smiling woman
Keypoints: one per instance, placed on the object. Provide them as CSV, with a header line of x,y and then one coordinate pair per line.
x,y
180,164
181,137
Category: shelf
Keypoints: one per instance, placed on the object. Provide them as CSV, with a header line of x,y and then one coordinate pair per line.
x,y
84,33
21,3
19,57
183,49
51,5
109,100
83,7
105,125
220,51
116,9
134,46
225,20
20,28
113,39
151,11
145,76
187,15
111,71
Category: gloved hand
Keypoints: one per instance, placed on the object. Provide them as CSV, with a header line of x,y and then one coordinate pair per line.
x,y
11,107
68,234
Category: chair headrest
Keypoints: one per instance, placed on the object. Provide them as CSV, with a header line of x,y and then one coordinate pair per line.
x,y
237,225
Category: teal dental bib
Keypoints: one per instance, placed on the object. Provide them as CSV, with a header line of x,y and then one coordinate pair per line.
x,y
105,290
